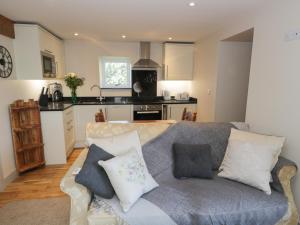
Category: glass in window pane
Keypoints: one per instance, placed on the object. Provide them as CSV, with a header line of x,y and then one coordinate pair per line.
x,y
116,74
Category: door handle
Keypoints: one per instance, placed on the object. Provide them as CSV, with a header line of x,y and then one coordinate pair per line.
x,y
147,112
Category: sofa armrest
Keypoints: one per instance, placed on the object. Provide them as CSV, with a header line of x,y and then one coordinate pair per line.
x,y
80,195
287,168
282,174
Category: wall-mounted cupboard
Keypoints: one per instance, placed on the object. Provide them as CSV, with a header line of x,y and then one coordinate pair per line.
x,y
178,61
31,41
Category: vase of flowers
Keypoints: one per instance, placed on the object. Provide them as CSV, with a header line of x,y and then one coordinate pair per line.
x,y
73,82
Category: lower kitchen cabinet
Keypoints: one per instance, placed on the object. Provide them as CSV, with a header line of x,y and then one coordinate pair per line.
x,y
174,111
64,130
119,112
58,135
84,114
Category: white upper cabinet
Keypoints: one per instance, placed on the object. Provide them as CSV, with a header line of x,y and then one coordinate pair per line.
x,y
30,41
178,61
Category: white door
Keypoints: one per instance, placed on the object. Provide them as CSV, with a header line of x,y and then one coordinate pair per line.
x,y
119,112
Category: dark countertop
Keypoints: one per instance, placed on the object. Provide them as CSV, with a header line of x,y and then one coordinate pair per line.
x,y
56,106
61,106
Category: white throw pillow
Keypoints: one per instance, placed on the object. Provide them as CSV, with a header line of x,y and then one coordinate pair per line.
x,y
129,177
250,158
272,142
118,144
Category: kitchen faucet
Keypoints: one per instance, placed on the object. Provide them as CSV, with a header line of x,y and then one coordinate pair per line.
x,y
100,98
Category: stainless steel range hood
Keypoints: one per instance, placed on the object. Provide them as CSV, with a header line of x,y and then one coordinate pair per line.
x,y
145,61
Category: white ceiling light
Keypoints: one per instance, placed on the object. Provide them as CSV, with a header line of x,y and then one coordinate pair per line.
x,y
170,38
123,36
76,34
192,4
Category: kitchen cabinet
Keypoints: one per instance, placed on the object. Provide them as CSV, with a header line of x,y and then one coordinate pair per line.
x,y
30,40
119,112
174,111
84,114
58,135
178,61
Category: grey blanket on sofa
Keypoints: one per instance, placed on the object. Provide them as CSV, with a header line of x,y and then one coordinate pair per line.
x,y
206,202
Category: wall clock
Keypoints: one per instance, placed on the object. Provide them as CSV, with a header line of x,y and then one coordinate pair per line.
x,y
6,65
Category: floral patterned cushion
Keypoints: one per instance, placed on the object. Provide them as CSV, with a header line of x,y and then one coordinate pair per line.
x,y
129,176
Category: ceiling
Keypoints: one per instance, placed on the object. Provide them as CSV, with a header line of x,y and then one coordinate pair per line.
x,y
148,20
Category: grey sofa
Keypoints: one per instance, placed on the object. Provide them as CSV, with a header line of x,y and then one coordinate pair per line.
x,y
192,201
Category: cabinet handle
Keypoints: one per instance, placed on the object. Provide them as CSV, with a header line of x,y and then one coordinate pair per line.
x,y
105,112
167,72
170,112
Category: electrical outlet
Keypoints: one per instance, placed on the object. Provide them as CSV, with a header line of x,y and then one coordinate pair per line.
x,y
292,35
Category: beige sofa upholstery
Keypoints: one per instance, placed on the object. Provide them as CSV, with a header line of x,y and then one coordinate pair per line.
x,y
80,196
82,213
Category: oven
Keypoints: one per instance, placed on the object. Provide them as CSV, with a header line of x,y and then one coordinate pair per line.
x,y
147,112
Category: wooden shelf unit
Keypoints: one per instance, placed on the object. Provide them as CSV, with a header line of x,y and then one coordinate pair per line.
x,y
27,135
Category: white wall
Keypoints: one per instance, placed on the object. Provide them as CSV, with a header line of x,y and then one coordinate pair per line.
x,y
11,90
273,96
8,44
205,78
82,57
234,60
273,99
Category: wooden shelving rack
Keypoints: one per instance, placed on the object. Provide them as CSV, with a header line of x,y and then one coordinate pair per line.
x,y
27,135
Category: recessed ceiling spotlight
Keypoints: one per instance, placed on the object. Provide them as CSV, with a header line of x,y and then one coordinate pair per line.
x,y
192,4
76,34
170,38
123,36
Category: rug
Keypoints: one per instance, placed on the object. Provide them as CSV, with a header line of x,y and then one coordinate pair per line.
x,y
50,211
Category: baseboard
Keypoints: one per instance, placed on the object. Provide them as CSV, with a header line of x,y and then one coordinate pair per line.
x,y
8,179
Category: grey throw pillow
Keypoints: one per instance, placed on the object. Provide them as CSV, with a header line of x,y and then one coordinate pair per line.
x,y
192,161
93,176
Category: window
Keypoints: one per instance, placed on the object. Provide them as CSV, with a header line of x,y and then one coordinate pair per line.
x,y
116,72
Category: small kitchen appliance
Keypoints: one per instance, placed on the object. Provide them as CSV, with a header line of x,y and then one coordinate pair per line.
x,y
56,92
184,96
167,95
48,64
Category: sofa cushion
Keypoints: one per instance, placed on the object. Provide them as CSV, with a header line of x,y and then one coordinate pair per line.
x,y
158,152
215,201
192,161
129,177
119,144
93,176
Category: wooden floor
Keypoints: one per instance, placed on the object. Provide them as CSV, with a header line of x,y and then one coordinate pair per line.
x,y
39,183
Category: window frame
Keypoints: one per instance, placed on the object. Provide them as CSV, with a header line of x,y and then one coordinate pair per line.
x,y
111,59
